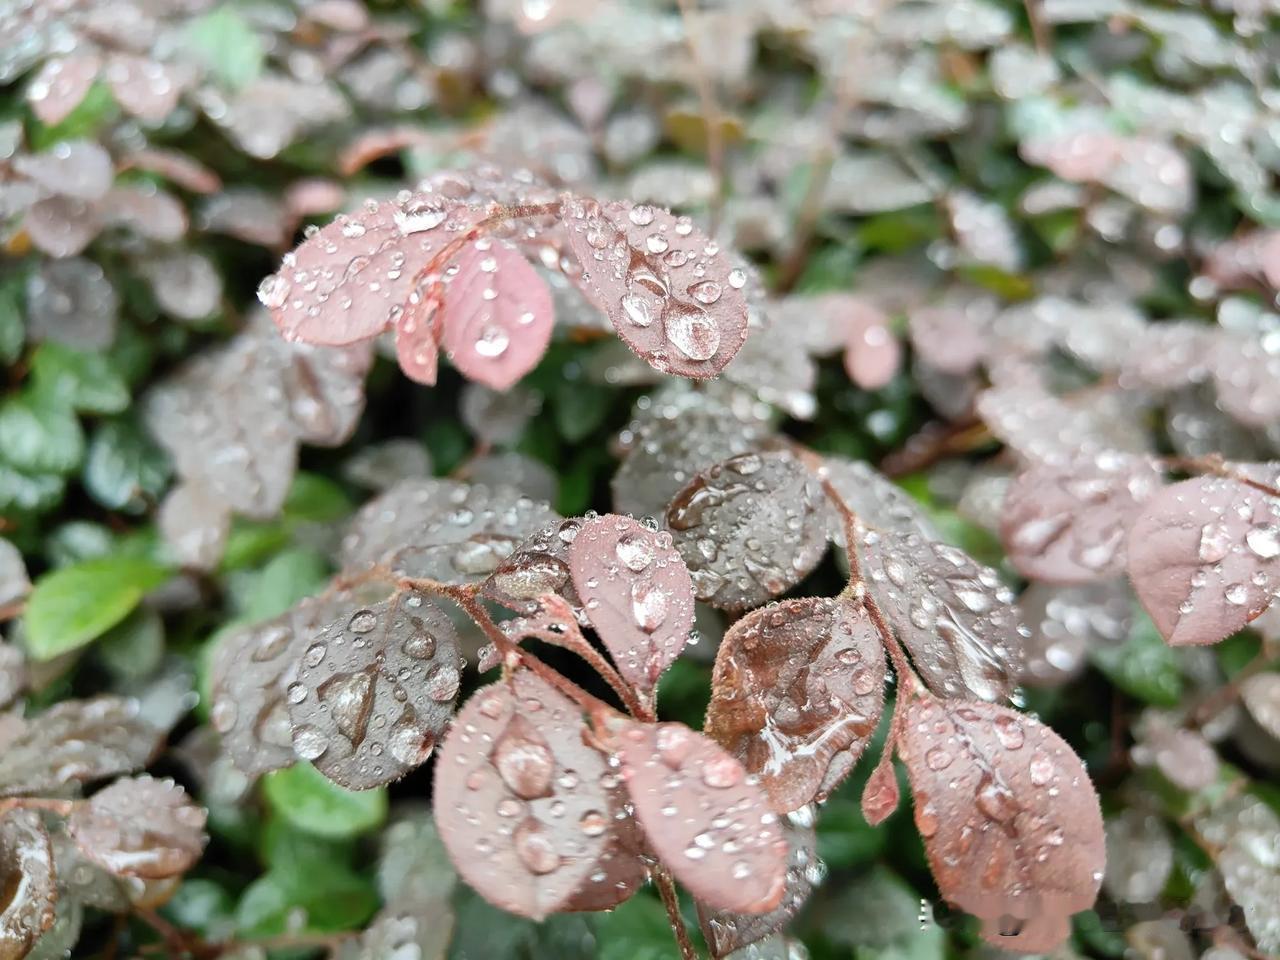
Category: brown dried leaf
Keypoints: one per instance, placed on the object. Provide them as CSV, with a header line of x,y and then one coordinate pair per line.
x,y
27,879
1010,821
726,931
798,690
670,293
140,827
374,691
636,592
1202,558
954,615
750,528
1068,523
524,806
75,741
705,818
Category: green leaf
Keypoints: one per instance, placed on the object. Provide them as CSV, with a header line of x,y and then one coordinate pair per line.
x,y
91,115
448,443
204,906
310,801
251,542
84,381
78,540
285,848
288,578
21,491
132,650
326,900
580,408
125,469
878,914
40,435
1143,666
76,604
637,930
12,330
316,499
226,45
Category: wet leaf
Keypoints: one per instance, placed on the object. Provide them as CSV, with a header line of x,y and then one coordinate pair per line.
x,y
705,818
61,84
670,293
540,565
14,581
40,433
881,795
497,314
797,692
140,827
73,605
195,526
1248,831
1009,818
1068,625
1201,558
1139,857
26,866
523,805
1261,695
750,528
72,302
374,691
88,382
726,932
875,499
954,615
1068,523
636,592
75,741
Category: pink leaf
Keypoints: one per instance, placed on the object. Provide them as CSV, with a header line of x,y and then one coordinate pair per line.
x,y
1202,558
880,796
872,356
704,817
797,692
60,86
497,314
671,294
1010,821
417,337
353,278
522,804
146,89
637,593
176,167
1068,523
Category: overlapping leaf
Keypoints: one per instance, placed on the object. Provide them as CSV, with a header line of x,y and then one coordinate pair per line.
x,y
140,827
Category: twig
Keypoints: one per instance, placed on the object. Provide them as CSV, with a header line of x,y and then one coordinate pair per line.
x,y
1222,697
1040,31
667,891
710,112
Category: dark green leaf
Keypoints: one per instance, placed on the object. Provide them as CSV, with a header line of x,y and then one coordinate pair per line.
x,y
38,434
1143,666
125,469
83,381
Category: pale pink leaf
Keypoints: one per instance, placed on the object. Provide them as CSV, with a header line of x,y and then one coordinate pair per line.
x,y
417,337
880,796
705,818
636,592
537,567
61,84
1202,558
144,88
177,167
523,805
670,292
1010,821
62,226
798,690
1067,523
140,827
497,315
872,356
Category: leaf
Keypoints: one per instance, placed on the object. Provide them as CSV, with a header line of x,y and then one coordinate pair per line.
x,y
880,796
1248,833
1201,556
61,84
875,499
417,335
1009,818
497,314
1067,523
318,901
1143,665
375,690
872,354
726,931
26,866
40,434
669,292
721,842
311,802
954,615
1261,696
540,565
1068,625
75,741
140,827
636,592
194,526
750,528
14,581
798,690
358,272
1139,857
71,301
83,381
71,606
225,44
13,332
289,578
520,800
639,930
124,469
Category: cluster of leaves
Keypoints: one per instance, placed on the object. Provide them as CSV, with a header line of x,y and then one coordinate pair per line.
x,y
1024,256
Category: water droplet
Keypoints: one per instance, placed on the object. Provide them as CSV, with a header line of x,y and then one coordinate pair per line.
x,y
533,846
634,551
524,761
1264,541
707,292
692,331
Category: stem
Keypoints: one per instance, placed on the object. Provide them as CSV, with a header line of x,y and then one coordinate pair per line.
x,y
807,219
667,891
1227,694
1215,465
1040,32
710,113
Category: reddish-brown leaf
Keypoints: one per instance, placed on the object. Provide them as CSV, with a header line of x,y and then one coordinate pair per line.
x,y
705,818
1202,558
1010,821
525,808
880,796
352,279
140,827
373,691
497,314
798,690
30,886
671,294
1067,523
636,592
